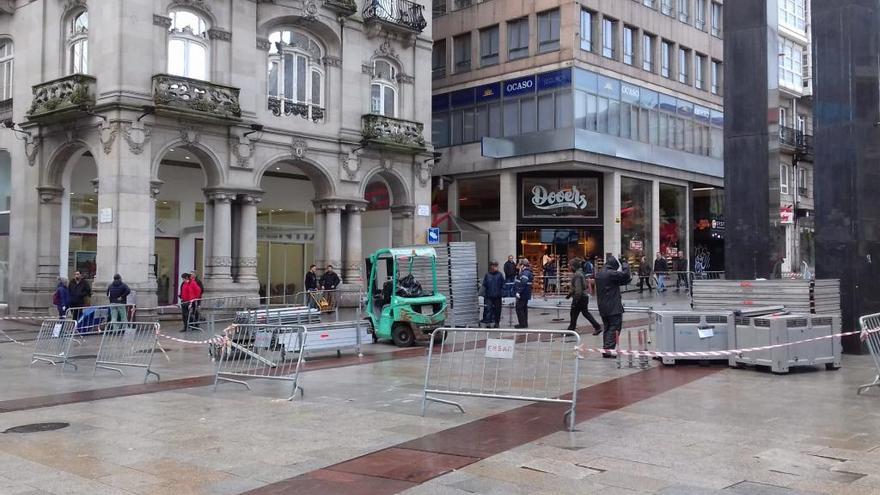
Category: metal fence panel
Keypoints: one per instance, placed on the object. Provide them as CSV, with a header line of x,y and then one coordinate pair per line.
x,y
53,342
272,352
128,345
464,284
338,336
871,325
528,365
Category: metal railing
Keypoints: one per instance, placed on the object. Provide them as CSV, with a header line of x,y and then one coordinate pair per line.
x,y
797,140
403,13
525,365
128,345
53,342
870,326
269,352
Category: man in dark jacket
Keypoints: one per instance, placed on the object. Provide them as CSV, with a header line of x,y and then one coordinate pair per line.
x,y
118,293
580,299
329,282
493,288
523,291
608,283
644,275
311,284
660,269
80,292
510,269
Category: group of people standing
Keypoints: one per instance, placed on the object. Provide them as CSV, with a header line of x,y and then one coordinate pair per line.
x,y
76,295
329,281
660,273
519,275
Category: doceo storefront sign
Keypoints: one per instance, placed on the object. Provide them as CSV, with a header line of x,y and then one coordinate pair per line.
x,y
560,197
546,200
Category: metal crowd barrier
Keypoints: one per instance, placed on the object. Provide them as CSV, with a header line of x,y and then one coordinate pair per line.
x,y
871,325
269,352
526,365
128,345
91,319
53,342
338,336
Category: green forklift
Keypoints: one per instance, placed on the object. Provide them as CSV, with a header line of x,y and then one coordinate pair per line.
x,y
402,302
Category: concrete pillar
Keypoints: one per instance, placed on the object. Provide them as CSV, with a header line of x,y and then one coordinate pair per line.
x,y
207,238
49,265
221,249
611,200
333,236
353,250
247,242
655,219
155,187
402,225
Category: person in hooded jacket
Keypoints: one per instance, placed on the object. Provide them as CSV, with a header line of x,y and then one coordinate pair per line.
x,y
608,282
61,298
493,290
118,293
523,291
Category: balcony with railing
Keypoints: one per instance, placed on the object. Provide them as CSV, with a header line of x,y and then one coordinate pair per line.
x,y
62,98
284,106
182,96
396,15
796,141
394,134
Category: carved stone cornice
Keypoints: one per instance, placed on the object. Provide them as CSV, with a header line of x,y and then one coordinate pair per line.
x,y
251,198
263,44
31,148
220,196
299,148
219,34
136,134
107,136
406,79
331,61
162,21
243,149
49,194
155,188
423,173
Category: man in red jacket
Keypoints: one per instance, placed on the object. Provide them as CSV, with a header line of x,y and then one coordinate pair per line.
x,y
189,292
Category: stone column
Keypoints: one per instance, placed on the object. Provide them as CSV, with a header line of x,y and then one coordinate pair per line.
x,y
318,245
402,225
247,242
221,245
333,236
353,249
155,187
207,238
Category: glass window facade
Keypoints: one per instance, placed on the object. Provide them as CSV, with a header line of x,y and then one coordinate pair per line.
x,y
488,46
791,72
636,218
438,59
479,200
462,52
548,31
792,13
518,38
609,36
580,98
648,52
629,45
586,30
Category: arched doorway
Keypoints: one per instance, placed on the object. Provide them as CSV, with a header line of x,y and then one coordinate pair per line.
x,y
286,228
376,223
79,216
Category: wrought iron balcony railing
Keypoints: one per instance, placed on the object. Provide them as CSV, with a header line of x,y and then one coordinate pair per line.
x,y
284,106
797,141
401,14
191,96
389,132
53,99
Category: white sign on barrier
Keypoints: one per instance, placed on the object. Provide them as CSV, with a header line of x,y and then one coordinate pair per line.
x,y
56,330
499,348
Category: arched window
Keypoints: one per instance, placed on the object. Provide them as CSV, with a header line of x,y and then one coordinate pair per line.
x,y
383,90
6,55
296,75
78,44
188,45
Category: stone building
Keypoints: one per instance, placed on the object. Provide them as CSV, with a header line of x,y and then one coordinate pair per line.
x,y
241,138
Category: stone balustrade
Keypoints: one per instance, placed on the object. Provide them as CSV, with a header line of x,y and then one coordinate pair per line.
x,y
393,133
70,93
202,98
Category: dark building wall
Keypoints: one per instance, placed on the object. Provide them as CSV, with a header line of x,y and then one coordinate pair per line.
x,y
847,147
754,238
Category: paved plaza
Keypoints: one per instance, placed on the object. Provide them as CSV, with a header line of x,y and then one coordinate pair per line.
x,y
682,430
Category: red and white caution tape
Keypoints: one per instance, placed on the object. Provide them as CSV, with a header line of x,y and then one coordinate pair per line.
x,y
718,354
219,340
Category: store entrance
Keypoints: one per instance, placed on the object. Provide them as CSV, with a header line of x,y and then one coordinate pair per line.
x,y
166,269
562,243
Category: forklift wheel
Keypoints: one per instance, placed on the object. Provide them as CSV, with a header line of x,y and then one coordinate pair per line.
x,y
403,335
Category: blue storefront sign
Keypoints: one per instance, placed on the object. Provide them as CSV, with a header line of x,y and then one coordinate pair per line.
x,y
440,103
488,92
556,79
463,98
519,86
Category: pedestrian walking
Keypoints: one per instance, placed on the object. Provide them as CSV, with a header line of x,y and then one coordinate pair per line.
x,y
189,292
523,291
61,297
608,282
493,290
680,264
311,285
510,269
580,299
644,275
329,282
117,293
80,294
660,269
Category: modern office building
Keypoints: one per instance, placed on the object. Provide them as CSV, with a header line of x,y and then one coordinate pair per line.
x,y
796,134
582,127
245,139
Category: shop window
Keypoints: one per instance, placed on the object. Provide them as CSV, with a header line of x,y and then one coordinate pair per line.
x,y
673,220
636,218
479,200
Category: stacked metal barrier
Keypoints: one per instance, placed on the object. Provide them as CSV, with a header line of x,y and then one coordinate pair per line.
x,y
128,345
870,326
526,365
338,336
53,342
270,352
